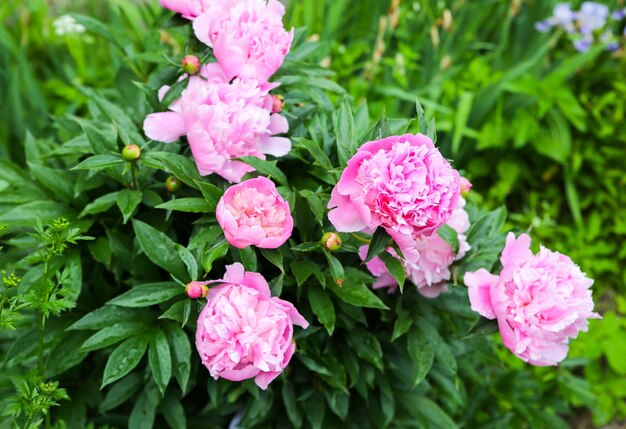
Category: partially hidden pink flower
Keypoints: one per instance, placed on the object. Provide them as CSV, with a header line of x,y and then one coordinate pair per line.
x,y
466,185
247,36
187,8
222,121
254,213
401,183
430,271
243,332
539,300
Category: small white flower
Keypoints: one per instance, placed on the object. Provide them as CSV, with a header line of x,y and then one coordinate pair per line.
x,y
66,24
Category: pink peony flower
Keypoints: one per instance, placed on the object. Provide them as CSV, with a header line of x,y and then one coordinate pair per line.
x,y
222,121
431,270
540,301
466,185
254,213
401,183
247,36
243,332
187,8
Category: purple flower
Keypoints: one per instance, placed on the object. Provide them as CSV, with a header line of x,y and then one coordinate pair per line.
x,y
619,14
592,16
583,45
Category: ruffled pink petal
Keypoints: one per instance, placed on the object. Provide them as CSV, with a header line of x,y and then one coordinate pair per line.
x,y
479,285
234,273
233,171
165,127
275,146
257,282
265,378
201,28
433,291
278,124
516,251
345,216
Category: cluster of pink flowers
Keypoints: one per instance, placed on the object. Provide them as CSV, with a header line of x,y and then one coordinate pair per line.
x,y
222,121
243,332
540,301
431,270
226,111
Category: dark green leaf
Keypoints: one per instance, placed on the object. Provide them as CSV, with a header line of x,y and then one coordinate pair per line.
x,y
124,358
316,151
449,235
159,248
380,241
421,353
211,193
381,129
483,326
189,260
160,360
322,307
112,335
100,204
98,162
267,168
122,391
147,294
274,256
344,128
355,293
181,354
127,201
395,268
190,205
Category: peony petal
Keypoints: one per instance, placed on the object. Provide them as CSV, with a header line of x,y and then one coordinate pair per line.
x,y
278,124
345,217
165,127
201,28
275,146
479,285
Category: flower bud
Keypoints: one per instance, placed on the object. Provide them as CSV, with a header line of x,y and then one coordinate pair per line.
x,y
466,185
172,184
131,152
331,241
196,290
278,102
191,64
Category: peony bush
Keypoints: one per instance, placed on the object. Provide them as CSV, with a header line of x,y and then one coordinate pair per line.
x,y
249,202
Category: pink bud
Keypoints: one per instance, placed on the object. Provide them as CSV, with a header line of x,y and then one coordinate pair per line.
x,y
466,185
278,102
191,64
331,241
196,290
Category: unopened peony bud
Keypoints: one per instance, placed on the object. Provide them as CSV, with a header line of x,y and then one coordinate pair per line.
x,y
278,102
196,290
466,185
172,184
191,64
131,152
331,241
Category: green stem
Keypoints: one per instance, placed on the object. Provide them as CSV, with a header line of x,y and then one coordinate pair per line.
x,y
361,239
42,369
133,172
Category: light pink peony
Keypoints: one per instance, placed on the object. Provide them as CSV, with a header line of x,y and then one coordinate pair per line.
x,y
401,183
247,36
243,332
222,121
187,8
540,301
254,213
431,270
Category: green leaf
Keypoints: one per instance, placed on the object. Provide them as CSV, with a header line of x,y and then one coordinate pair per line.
x,y
98,162
322,307
381,129
101,250
358,294
100,204
102,317
160,360
101,141
318,207
316,151
189,260
174,92
173,412
144,411
190,205
302,270
461,117
124,358
403,322
181,354
122,391
421,353
216,251
27,214
482,326
180,166
274,256
366,346
380,241
211,193
395,268
127,201
344,128
422,122
450,236
293,411
112,335
59,182
159,248
432,413
336,269
147,294
247,256
267,168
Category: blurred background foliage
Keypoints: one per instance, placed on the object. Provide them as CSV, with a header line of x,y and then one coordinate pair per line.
x,y
531,122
